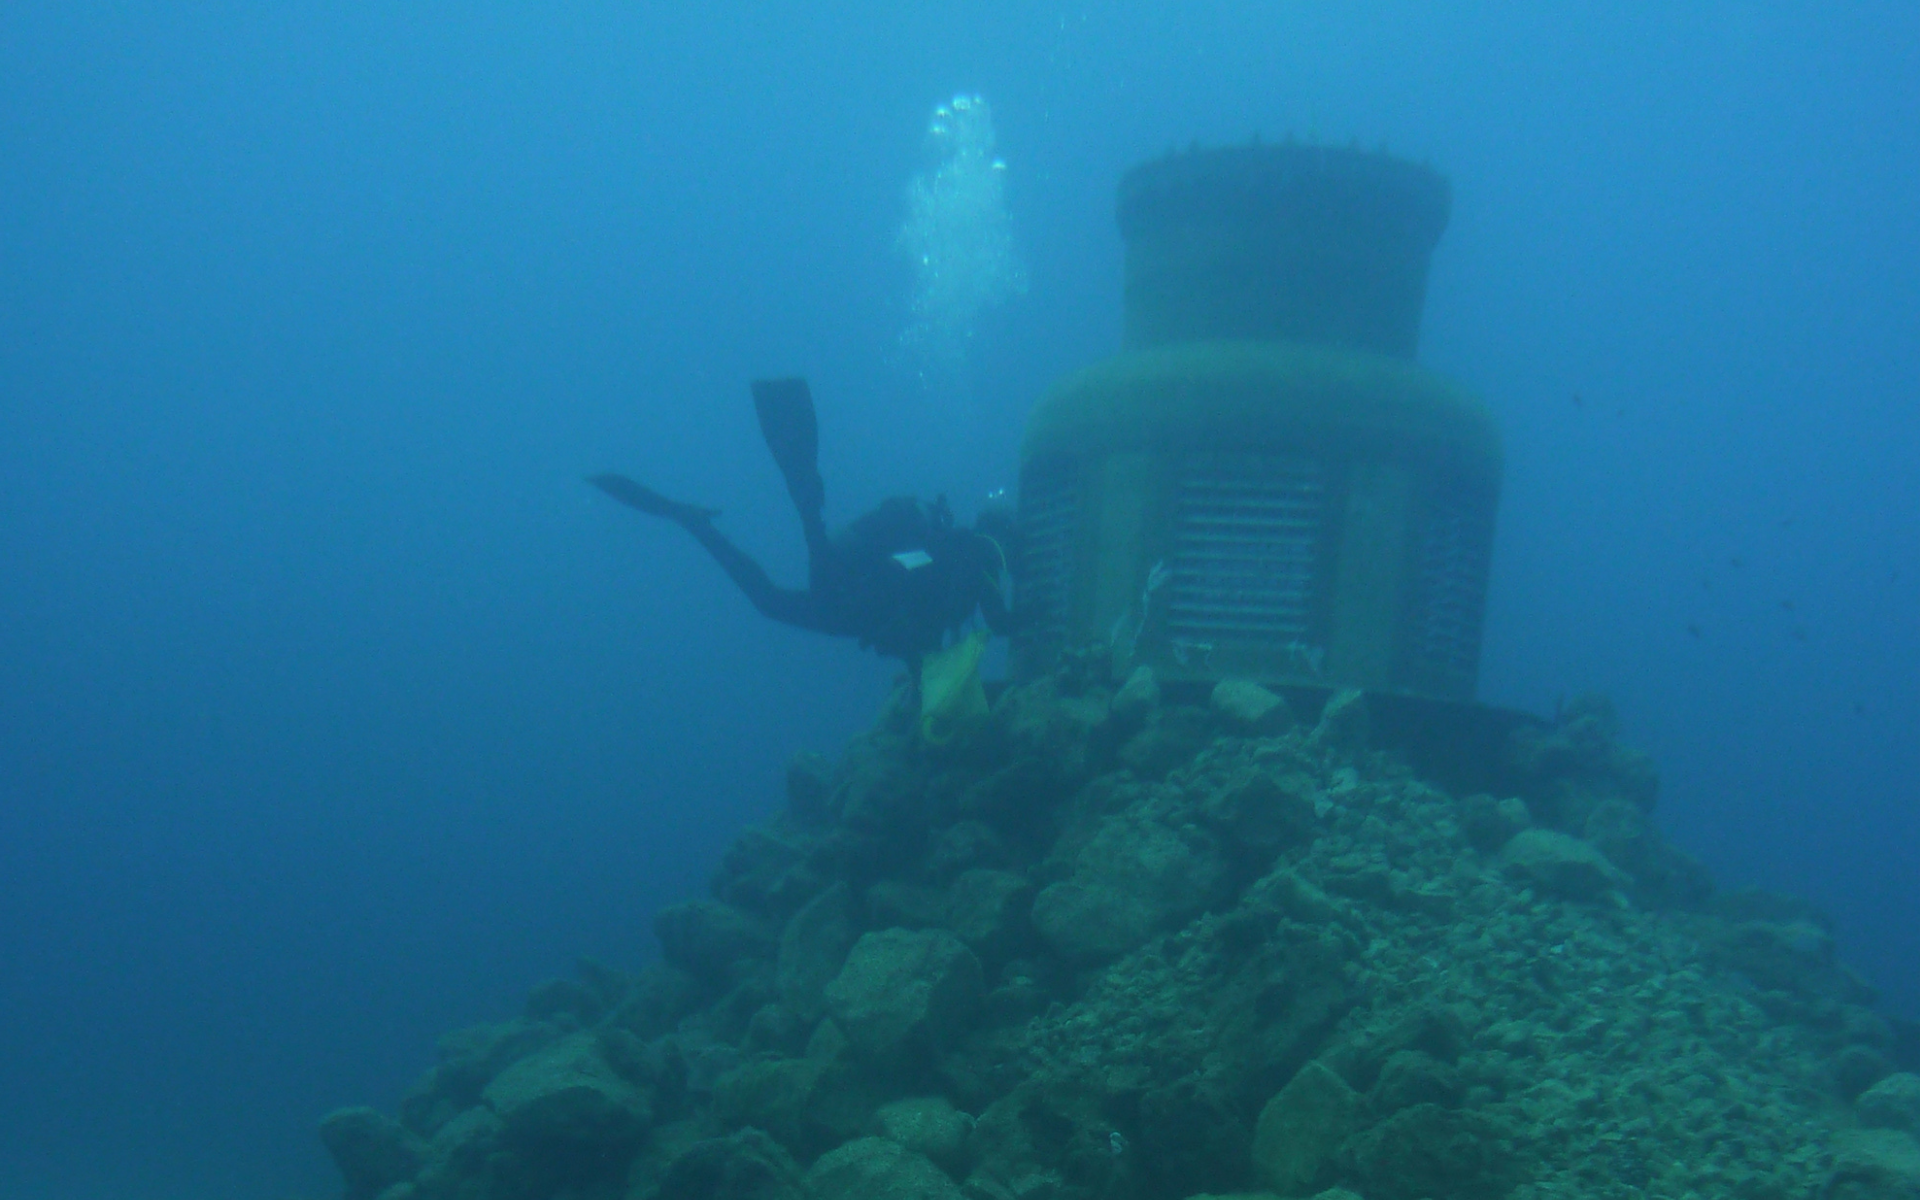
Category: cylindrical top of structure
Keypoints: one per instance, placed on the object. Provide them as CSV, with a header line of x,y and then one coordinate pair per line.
x,y
1283,243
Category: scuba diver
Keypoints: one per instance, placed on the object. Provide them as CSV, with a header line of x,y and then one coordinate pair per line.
x,y
898,578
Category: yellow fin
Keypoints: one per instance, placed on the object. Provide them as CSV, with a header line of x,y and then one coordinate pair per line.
x,y
951,696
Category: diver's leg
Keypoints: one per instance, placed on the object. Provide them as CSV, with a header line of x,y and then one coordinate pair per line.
x,y
792,431
789,606
786,605
644,498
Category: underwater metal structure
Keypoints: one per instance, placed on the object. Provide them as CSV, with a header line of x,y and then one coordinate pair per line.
x,y
1263,483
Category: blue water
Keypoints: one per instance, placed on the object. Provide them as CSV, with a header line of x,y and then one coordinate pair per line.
x,y
335,711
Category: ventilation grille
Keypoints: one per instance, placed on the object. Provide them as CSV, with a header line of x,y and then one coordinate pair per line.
x,y
1247,535
1049,521
1454,552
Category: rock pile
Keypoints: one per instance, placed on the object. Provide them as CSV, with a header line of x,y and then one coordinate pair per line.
x,y
1115,947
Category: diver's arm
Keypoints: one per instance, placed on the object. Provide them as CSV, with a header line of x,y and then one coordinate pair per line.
x,y
993,607
993,603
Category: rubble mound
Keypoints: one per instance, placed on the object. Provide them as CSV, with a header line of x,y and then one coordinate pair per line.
x,y
1152,950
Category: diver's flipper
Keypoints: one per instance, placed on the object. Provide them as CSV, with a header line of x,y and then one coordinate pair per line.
x,y
644,498
785,407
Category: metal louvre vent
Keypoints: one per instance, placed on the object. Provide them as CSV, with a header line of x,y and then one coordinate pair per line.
x,y
1450,591
1247,532
1049,520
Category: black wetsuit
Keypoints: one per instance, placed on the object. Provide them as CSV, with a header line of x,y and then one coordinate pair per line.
x,y
898,578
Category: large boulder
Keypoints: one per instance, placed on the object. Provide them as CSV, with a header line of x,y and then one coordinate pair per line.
x,y
1092,922
987,909
460,1152
1892,1103
1427,1150
1245,707
1489,823
1135,877
469,1060
904,993
1172,735
372,1150
1136,699
768,869
1874,1164
566,1101
1257,816
813,947
808,1104
877,1168
879,794
928,1125
1297,1140
1560,865
706,938
747,1165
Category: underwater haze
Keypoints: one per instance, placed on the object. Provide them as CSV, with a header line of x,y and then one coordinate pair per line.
x,y
336,710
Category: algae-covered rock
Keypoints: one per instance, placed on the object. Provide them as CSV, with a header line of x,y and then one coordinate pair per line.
x,y
706,938
1298,1138
1163,950
879,794
659,996
1662,877
988,909
1051,729
469,1059
1783,947
1245,707
809,787
813,947
1874,1164
1089,922
1562,865
1258,816
460,1153
807,1104
1135,877
903,993
747,1165
1892,1103
769,871
928,1125
877,1168
1566,771
1190,1132
566,1100
569,1003
1411,1077
1047,1129
1489,823
1857,1068
1426,1151
892,902
372,1150
1170,738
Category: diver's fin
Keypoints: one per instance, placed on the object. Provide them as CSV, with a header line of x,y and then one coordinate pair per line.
x,y
787,421
644,498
